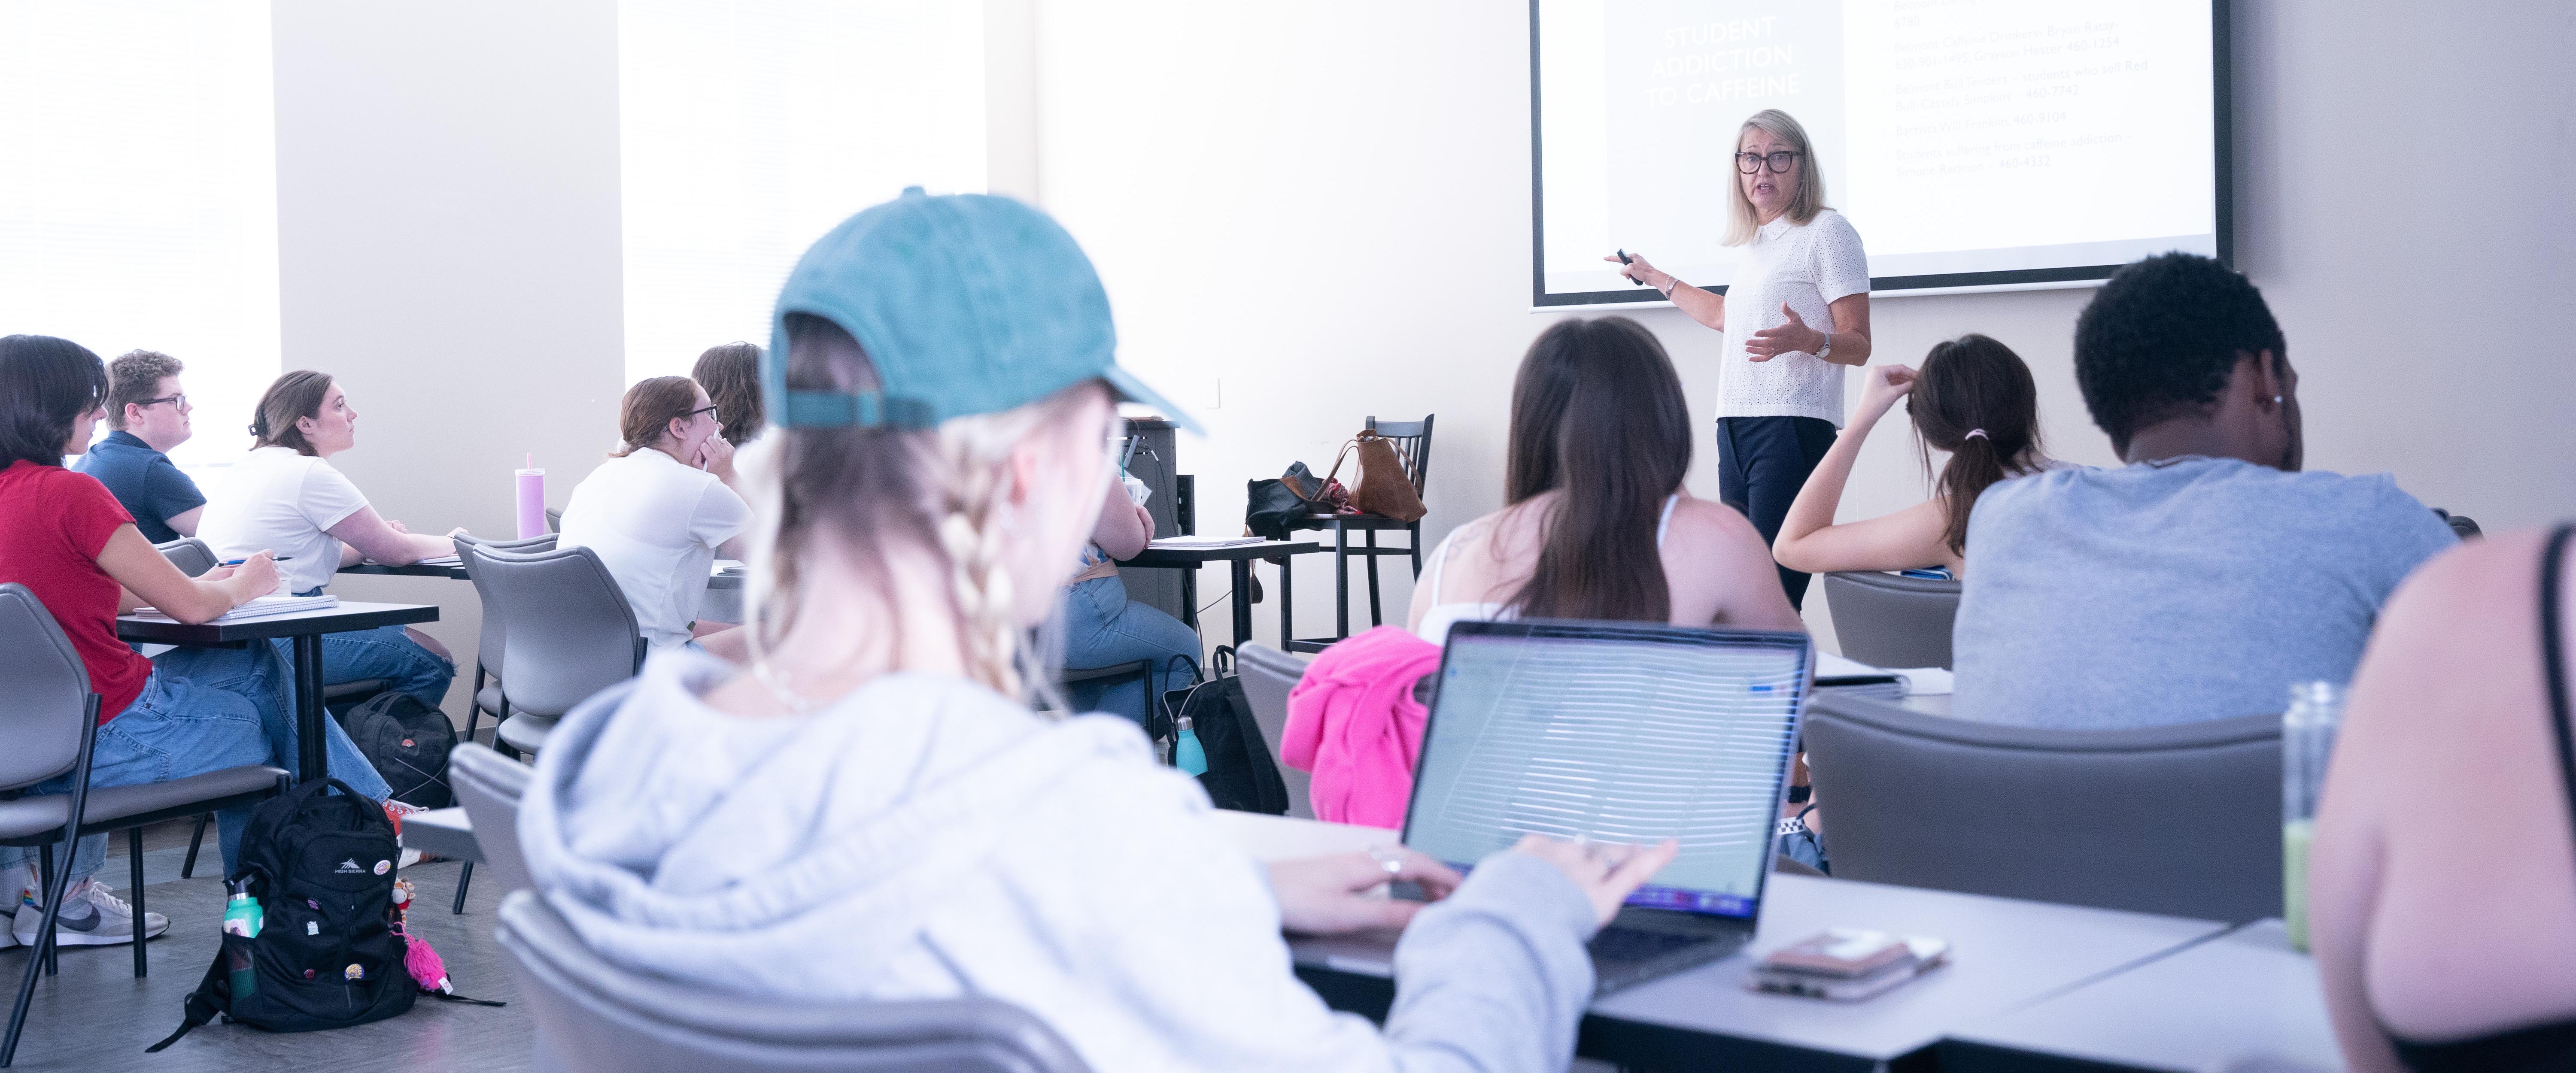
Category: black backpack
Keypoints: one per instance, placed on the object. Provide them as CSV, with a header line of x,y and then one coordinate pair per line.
x,y
408,743
327,956
1241,774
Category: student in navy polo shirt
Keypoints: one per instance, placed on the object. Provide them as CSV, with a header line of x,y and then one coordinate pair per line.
x,y
149,414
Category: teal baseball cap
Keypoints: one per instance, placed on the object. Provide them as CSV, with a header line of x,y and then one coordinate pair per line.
x,y
966,304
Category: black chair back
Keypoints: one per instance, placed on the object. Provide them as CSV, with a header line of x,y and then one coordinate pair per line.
x,y
1412,445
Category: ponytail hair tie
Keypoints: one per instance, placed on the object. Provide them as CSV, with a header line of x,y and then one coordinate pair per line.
x,y
1977,434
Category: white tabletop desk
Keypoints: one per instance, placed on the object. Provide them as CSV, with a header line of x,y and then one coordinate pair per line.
x,y
2006,954
2244,997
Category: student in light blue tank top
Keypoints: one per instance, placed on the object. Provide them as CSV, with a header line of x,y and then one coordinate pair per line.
x,y
2206,576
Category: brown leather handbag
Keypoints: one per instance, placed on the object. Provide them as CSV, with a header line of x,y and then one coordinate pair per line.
x,y
1384,488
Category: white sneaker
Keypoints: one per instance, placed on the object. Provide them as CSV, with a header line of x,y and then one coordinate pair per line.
x,y
109,921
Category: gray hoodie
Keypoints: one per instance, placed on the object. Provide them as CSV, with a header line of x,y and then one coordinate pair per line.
x,y
925,837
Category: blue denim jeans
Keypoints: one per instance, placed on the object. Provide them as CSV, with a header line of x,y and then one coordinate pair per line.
x,y
211,715
269,675
1102,627
386,652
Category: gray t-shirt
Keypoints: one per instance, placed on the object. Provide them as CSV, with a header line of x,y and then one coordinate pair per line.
x,y
2176,592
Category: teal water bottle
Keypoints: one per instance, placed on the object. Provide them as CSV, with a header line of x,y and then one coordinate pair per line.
x,y
1187,754
242,917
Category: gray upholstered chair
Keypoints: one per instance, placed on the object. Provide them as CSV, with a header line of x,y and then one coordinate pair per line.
x,y
189,554
2174,819
566,633
593,1017
49,717
488,785
1888,620
487,699
1268,674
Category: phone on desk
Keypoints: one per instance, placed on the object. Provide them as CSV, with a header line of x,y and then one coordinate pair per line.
x,y
1847,964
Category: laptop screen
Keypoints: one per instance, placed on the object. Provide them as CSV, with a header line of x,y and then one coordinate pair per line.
x,y
1623,733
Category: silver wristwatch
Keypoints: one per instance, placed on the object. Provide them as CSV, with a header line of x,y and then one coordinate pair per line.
x,y
1828,348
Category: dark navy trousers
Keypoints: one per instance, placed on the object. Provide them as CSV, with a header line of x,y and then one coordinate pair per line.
x,y
1761,464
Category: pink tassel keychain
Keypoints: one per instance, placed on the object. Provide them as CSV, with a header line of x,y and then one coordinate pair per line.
x,y
425,966
423,963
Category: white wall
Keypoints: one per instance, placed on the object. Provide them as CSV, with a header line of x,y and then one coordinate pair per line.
x,y
448,249
1318,211
1323,208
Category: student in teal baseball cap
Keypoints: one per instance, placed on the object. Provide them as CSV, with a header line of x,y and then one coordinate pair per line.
x,y
869,807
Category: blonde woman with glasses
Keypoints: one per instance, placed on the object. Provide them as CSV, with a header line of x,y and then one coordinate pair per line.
x,y
1800,305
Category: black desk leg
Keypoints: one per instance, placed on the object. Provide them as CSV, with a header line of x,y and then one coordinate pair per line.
x,y
1242,601
1341,582
312,759
1287,605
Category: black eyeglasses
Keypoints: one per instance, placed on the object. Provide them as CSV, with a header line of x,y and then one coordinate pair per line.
x,y
1748,163
710,411
181,399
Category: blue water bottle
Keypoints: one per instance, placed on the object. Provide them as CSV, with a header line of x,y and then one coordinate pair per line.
x,y
1187,754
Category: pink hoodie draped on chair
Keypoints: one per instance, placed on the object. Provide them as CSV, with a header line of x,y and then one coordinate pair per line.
x,y
1353,724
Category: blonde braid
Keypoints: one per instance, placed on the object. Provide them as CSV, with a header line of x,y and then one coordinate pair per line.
x,y
970,532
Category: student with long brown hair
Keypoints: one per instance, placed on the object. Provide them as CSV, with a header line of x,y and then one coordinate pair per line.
x,y
1974,399
731,374
1598,524
286,495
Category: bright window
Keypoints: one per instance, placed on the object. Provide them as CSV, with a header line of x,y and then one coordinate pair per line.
x,y
749,128
138,192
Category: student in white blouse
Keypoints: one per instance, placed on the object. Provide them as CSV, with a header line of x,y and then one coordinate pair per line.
x,y
662,509
1801,302
286,496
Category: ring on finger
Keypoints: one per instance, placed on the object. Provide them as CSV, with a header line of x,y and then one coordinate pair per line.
x,y
1387,857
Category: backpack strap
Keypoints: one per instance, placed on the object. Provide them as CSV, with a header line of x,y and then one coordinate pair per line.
x,y
200,1004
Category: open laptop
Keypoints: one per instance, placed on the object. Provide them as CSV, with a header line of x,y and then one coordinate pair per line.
x,y
1620,732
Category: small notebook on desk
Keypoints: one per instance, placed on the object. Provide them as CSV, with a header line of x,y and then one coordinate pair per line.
x,y
443,560
1203,543
260,608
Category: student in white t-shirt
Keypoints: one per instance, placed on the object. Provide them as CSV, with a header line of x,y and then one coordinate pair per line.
x,y
286,496
662,509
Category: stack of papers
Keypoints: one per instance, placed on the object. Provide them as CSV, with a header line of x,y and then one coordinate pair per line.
x,y
260,608
1910,681
1203,543
443,560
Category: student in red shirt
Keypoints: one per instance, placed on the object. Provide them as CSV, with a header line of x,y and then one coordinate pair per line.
x,y
64,537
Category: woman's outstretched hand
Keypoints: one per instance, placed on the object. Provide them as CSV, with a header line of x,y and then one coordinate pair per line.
x,y
1636,268
1792,337
1330,895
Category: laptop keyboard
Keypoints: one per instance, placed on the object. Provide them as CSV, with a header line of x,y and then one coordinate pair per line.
x,y
1634,945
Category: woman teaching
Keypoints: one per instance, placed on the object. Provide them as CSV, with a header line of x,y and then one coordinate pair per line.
x,y
1801,291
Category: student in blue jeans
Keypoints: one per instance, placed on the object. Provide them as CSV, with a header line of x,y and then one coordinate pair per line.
x,y
1102,627
66,539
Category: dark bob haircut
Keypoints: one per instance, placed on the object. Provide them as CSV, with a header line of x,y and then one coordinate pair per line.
x,y
2160,338
46,384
